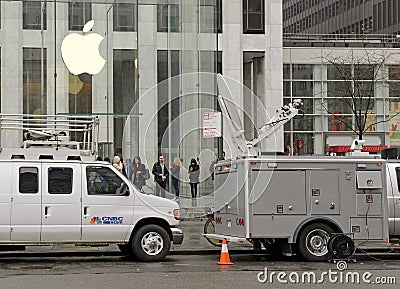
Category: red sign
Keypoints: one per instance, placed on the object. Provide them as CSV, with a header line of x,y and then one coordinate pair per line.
x,y
346,149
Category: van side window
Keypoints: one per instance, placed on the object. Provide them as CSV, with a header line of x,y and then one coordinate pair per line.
x,y
60,180
398,178
103,181
28,180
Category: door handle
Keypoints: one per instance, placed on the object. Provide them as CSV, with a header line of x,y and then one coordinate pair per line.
x,y
46,211
86,211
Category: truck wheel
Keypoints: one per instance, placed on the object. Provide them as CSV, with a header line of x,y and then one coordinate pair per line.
x,y
151,243
312,244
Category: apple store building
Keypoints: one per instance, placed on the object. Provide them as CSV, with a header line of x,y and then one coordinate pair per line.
x,y
99,57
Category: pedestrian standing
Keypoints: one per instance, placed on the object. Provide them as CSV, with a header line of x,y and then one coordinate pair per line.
x,y
174,170
139,172
116,162
160,173
194,174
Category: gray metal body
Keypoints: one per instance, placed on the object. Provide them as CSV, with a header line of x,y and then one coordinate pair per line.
x,y
277,196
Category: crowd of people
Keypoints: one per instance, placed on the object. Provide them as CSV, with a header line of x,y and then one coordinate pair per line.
x,y
139,174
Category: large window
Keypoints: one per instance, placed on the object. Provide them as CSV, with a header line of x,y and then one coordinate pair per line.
x,y
60,180
32,15
124,17
78,14
253,16
210,16
80,93
168,18
167,66
34,80
123,90
28,180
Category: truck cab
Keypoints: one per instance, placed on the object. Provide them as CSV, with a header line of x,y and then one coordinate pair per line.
x,y
393,191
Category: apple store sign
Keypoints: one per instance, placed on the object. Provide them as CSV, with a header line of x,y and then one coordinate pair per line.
x,y
80,52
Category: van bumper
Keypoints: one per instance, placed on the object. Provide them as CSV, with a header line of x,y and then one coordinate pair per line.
x,y
177,236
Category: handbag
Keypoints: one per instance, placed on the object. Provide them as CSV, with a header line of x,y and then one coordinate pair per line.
x,y
146,174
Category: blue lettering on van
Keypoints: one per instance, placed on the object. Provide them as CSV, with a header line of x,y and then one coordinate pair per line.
x,y
107,220
112,220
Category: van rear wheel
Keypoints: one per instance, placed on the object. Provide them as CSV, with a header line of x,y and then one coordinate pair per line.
x,y
151,243
312,244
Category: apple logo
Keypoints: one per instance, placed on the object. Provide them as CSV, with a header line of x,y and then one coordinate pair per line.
x,y
80,53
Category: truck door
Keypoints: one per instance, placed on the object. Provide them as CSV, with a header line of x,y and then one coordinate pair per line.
x,y
107,205
26,204
5,201
394,199
61,202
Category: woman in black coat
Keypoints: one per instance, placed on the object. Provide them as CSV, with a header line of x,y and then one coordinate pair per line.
x,y
194,174
138,173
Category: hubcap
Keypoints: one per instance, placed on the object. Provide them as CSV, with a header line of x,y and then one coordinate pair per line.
x,y
152,243
317,242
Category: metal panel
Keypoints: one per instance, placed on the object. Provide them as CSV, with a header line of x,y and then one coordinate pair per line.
x,y
324,192
367,228
26,208
5,201
278,192
61,211
369,204
369,180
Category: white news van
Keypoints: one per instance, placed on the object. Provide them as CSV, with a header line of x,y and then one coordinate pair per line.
x,y
54,193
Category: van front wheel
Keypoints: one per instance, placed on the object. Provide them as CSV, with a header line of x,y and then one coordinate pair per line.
x,y
151,243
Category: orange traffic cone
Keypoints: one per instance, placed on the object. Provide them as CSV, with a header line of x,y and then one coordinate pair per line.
x,y
224,259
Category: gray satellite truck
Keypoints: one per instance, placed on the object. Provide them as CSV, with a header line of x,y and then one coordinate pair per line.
x,y
297,204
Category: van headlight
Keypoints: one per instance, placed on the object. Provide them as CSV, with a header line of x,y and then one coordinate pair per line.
x,y
177,214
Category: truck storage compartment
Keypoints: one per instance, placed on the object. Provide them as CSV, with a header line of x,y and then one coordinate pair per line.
x,y
369,204
281,192
366,228
324,192
369,180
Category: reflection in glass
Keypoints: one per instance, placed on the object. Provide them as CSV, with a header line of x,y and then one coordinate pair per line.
x,y
124,91
303,89
302,71
167,18
78,14
124,17
80,98
210,16
34,81
32,15
339,72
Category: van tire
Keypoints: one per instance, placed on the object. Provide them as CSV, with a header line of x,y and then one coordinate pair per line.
x,y
151,243
312,243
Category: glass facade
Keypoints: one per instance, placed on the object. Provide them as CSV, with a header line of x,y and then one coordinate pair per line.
x,y
146,43
331,94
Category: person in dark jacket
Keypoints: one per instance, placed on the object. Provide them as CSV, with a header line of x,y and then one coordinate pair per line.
x,y
174,170
160,173
138,173
194,174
